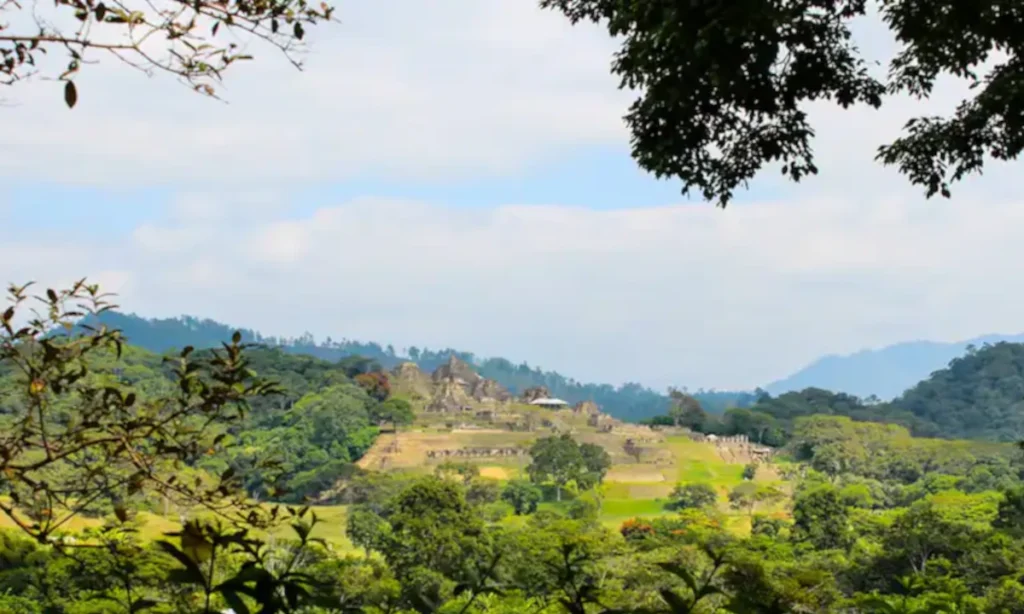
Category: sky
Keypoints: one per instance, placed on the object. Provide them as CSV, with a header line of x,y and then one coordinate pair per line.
x,y
457,173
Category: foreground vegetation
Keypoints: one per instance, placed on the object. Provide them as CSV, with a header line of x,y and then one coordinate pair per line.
x,y
103,444
436,544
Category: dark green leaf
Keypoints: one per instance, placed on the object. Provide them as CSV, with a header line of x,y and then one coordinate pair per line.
x,y
235,602
142,604
192,572
70,95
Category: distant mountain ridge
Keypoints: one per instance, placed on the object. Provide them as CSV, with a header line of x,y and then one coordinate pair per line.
x,y
885,372
630,401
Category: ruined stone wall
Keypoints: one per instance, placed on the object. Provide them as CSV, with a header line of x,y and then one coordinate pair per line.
x,y
477,453
638,433
740,439
719,439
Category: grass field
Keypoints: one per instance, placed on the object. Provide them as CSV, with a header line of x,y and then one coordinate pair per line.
x,y
330,526
631,489
636,490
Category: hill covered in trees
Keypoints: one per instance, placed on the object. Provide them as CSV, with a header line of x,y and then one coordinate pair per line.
x,y
979,395
290,446
630,401
885,372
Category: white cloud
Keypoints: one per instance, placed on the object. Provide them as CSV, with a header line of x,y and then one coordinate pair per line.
x,y
685,295
399,88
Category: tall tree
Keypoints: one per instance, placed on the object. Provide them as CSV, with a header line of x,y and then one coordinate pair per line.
x,y
724,86
820,518
596,461
686,410
692,496
522,496
556,459
398,412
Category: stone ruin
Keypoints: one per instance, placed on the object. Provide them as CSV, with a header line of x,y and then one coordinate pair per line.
x,y
532,394
477,452
720,439
449,396
738,444
647,455
602,422
408,375
586,408
639,434
458,388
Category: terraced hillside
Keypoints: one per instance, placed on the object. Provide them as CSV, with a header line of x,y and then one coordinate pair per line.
x,y
496,433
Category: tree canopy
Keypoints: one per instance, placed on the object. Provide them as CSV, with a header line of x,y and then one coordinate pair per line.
x,y
561,460
724,85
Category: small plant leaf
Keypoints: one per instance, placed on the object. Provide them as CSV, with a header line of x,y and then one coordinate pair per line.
x,y
70,94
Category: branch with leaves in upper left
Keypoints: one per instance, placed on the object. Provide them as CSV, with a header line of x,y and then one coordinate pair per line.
x,y
186,39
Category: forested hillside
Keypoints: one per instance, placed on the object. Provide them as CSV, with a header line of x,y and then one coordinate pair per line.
x,y
630,401
291,445
771,420
885,372
979,395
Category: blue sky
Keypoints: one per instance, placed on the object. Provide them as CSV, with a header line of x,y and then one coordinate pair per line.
x,y
459,175
597,178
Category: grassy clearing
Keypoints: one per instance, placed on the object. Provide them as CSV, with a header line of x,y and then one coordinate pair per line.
x,y
631,489
621,509
330,527
331,522
700,462
634,489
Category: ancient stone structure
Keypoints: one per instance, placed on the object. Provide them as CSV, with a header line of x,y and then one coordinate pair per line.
x,y
634,450
602,422
449,396
477,452
587,408
639,433
457,387
408,377
484,389
532,394
732,447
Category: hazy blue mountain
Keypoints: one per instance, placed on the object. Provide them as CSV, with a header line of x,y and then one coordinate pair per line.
x,y
886,372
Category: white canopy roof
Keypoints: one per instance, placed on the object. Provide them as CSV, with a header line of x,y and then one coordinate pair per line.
x,y
548,402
